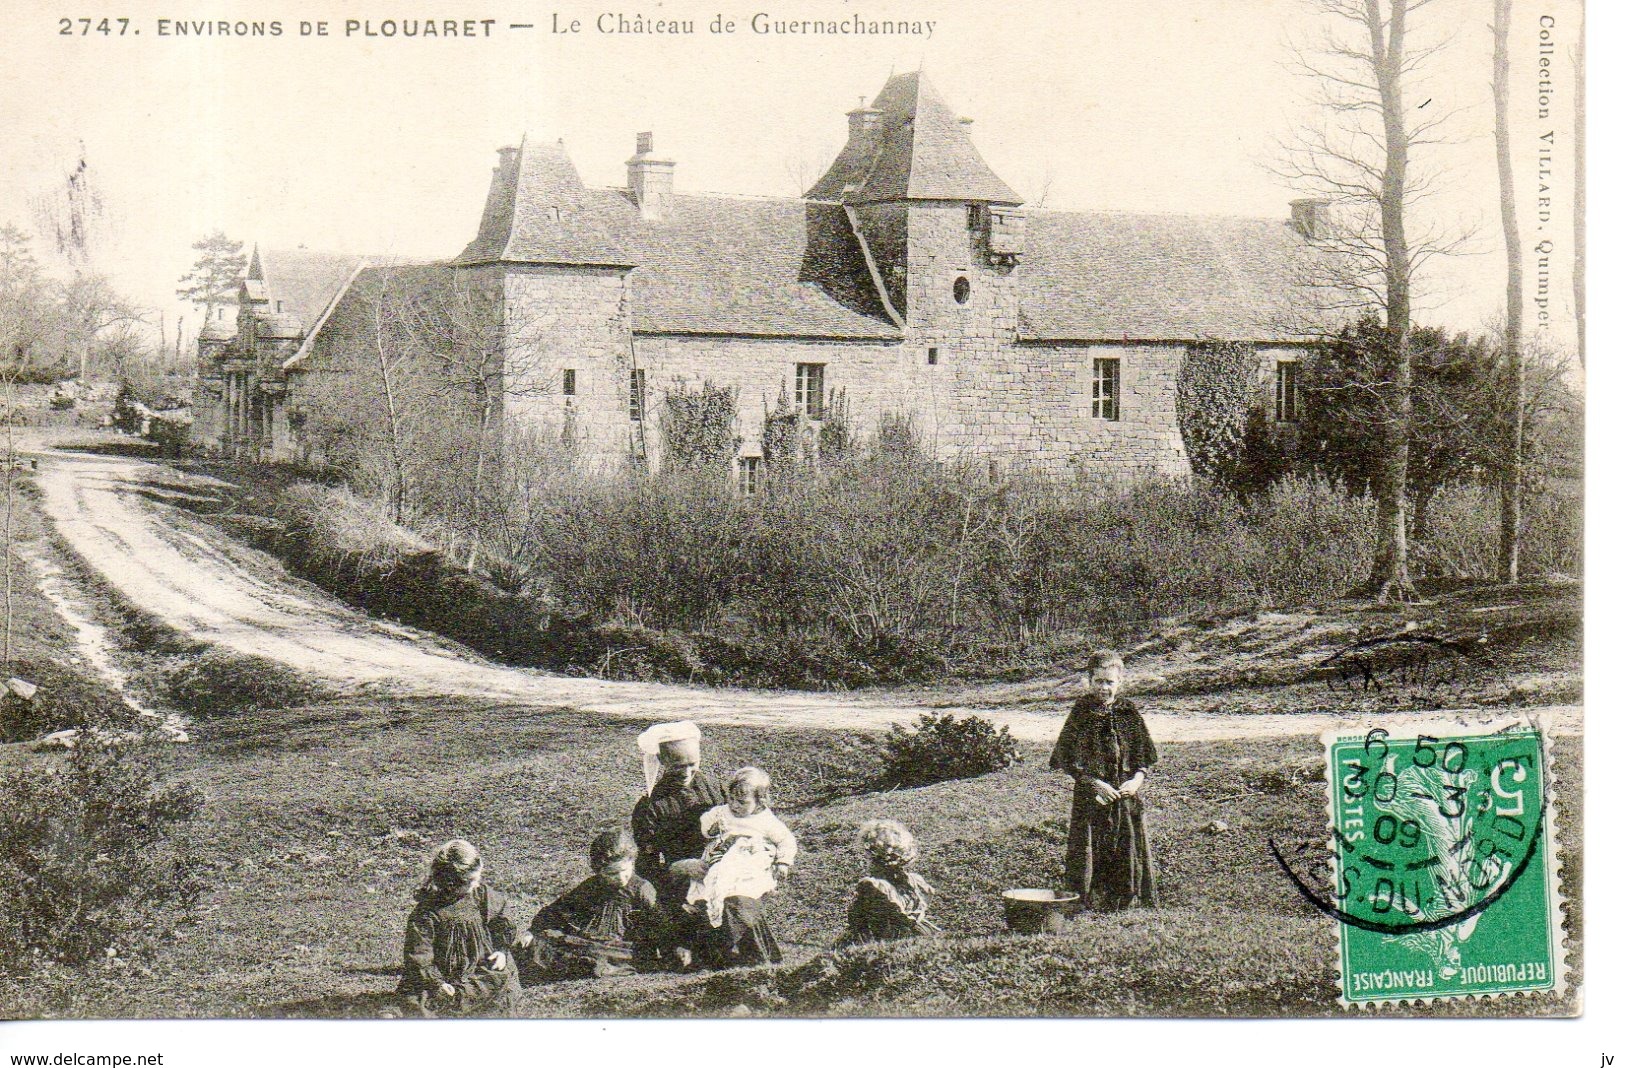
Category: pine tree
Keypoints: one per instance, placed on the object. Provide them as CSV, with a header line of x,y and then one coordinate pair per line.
x,y
220,263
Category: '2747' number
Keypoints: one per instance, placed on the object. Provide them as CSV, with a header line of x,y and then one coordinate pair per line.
x,y
105,27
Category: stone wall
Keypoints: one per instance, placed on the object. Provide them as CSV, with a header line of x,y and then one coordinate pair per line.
x,y
982,389
570,319
877,379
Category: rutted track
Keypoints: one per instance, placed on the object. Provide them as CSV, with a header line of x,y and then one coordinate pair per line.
x,y
185,573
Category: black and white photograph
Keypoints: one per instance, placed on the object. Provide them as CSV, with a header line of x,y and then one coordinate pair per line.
x,y
827,510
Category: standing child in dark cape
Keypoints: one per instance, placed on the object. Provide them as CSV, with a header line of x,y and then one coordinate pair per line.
x,y
1107,750
458,960
610,924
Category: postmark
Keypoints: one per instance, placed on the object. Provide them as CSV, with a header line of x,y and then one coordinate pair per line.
x,y
1442,874
1410,670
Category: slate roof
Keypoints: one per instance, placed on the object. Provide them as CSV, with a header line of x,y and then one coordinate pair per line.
x,y
1114,276
364,283
791,268
924,153
539,212
304,281
731,265
770,267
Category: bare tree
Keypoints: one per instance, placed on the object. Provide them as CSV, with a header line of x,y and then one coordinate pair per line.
x,y
480,358
1512,332
805,165
26,316
412,403
73,216
1357,155
91,310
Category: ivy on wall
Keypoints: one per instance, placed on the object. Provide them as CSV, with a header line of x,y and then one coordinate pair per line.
x,y
835,435
785,434
1212,403
699,427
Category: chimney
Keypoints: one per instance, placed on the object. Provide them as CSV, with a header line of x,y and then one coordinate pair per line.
x,y
506,155
1311,217
863,124
650,180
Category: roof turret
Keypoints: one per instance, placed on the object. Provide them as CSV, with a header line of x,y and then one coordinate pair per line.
x,y
922,150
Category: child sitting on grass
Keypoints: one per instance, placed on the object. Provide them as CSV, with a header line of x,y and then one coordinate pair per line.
x,y
608,925
458,939
891,900
1107,750
749,852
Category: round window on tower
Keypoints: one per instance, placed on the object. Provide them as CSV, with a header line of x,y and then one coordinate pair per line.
x,y
961,289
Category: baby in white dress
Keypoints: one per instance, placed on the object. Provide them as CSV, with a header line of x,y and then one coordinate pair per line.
x,y
749,850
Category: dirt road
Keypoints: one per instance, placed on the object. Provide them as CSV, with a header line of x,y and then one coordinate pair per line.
x,y
113,514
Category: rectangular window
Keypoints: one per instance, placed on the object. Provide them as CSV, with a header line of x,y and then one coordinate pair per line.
x,y
636,404
1286,391
1107,382
750,475
931,356
810,389
570,382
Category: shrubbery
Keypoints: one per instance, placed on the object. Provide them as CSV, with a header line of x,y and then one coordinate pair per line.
x,y
904,569
942,747
881,568
89,866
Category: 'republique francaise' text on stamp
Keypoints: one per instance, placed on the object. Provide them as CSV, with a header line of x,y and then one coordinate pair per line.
x,y
1444,862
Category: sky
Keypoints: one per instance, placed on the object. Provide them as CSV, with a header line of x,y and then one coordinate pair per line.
x,y
383,146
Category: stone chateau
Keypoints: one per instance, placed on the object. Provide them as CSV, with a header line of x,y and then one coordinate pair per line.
x,y
909,282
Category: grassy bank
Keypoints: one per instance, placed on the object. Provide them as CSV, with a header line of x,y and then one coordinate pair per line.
x,y
43,645
319,818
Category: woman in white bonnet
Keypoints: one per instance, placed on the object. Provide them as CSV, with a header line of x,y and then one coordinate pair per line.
x,y
666,826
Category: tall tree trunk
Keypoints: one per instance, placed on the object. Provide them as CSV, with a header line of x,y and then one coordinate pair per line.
x,y
1390,570
1512,458
397,457
476,505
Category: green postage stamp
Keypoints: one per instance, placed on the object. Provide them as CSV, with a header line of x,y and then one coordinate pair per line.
x,y
1444,862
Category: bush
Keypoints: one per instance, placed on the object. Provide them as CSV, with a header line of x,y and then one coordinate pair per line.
x,y
222,684
89,867
1464,536
942,747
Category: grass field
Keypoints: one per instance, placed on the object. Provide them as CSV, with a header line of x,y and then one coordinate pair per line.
x,y
319,818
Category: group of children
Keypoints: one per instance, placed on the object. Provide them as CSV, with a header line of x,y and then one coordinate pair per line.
x,y
465,955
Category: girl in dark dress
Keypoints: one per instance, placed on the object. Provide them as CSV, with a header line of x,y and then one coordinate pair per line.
x,y
611,924
458,960
890,902
1107,750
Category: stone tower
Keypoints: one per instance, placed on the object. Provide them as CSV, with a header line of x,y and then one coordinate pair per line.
x,y
943,236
